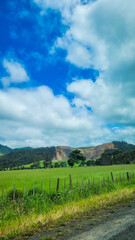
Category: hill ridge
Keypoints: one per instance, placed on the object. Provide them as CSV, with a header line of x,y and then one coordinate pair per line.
x,y
23,156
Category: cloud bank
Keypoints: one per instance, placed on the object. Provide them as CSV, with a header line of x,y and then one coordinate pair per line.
x,y
38,118
100,35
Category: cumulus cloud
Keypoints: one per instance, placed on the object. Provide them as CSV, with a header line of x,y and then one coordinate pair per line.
x,y
65,7
38,118
100,35
16,73
106,29
106,101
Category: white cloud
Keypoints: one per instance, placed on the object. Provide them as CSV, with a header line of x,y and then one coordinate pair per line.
x,y
104,28
105,31
75,51
65,7
107,28
100,35
16,73
38,118
107,102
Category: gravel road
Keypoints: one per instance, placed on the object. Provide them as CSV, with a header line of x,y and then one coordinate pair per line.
x,y
117,226
111,224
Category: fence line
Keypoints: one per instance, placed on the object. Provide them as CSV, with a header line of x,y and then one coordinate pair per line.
x,y
118,179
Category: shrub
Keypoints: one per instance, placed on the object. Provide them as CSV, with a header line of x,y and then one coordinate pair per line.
x,y
17,195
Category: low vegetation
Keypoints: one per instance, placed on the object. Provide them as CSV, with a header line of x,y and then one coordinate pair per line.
x,y
35,207
49,192
30,176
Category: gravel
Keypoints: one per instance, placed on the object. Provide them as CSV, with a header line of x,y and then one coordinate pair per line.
x,y
119,225
107,224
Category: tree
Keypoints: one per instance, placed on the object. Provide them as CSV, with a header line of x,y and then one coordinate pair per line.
x,y
75,157
35,165
56,165
63,164
90,163
48,161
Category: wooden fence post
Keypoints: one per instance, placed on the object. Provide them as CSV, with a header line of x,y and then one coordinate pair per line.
x,y
88,182
58,182
127,176
112,177
108,180
70,179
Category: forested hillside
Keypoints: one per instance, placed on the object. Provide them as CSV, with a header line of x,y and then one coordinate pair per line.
x,y
116,157
123,146
105,154
4,149
25,156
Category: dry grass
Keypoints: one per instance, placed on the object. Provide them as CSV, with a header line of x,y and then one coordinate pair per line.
x,y
34,222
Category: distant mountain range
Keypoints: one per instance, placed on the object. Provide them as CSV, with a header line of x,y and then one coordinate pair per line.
x,y
23,156
5,149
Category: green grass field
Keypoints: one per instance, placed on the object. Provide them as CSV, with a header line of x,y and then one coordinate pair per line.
x,y
28,177
25,212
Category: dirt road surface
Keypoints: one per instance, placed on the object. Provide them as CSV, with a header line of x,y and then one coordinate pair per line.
x,y
112,224
118,226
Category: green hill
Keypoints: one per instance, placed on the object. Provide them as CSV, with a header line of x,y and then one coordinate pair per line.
x,y
13,158
123,146
5,149
25,156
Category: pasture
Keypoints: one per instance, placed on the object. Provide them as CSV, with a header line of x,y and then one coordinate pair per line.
x,y
28,177
22,211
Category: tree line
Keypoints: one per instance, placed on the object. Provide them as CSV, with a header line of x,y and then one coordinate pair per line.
x,y
109,157
18,158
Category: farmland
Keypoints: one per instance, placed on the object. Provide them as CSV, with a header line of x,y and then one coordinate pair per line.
x,y
23,210
28,177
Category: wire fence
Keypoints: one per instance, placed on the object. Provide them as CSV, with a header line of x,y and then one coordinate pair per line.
x,y
128,177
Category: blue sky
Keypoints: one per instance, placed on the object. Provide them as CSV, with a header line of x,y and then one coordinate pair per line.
x,y
66,72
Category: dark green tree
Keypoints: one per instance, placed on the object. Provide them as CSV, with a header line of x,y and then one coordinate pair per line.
x,y
48,161
75,157
56,165
63,164
35,165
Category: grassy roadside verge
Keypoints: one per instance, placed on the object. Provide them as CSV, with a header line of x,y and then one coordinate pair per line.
x,y
33,222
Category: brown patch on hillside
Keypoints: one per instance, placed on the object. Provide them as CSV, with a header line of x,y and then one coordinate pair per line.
x,y
62,152
95,152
